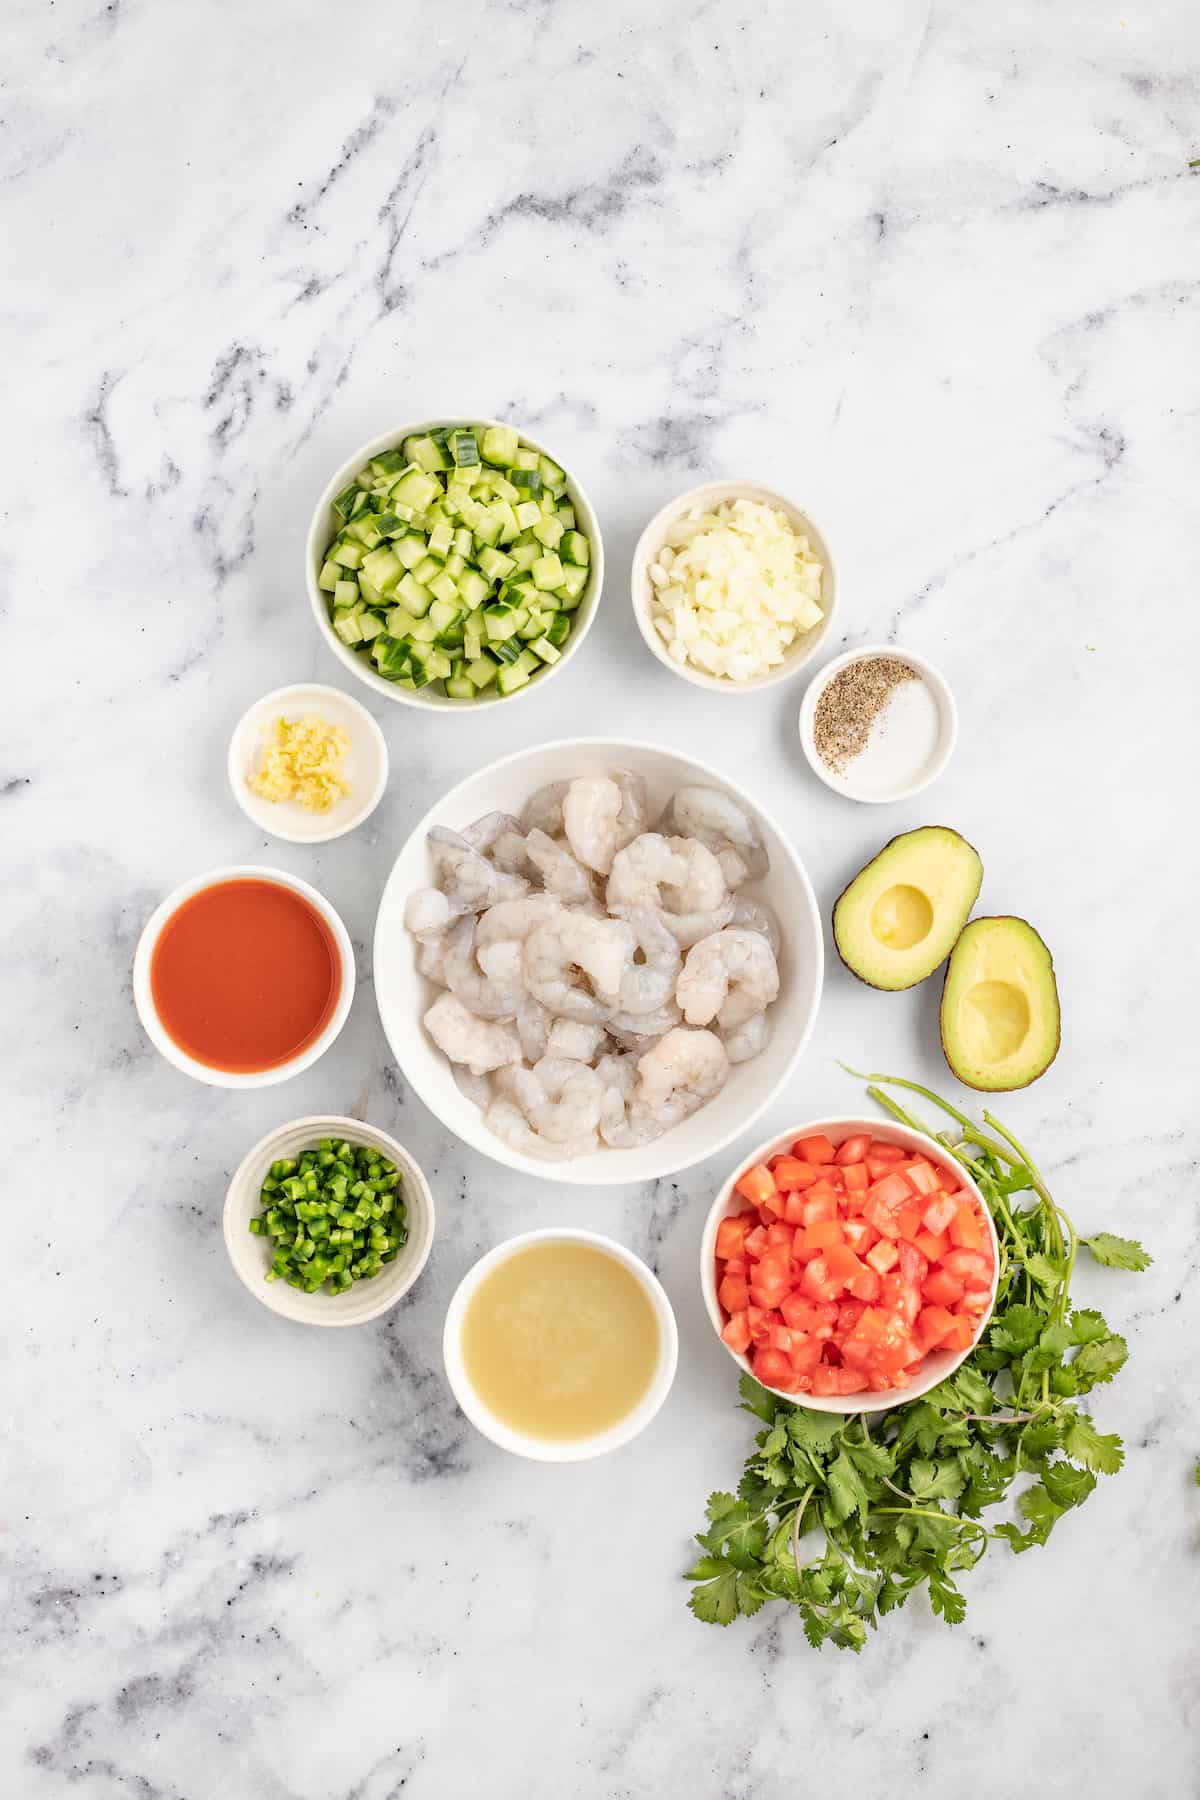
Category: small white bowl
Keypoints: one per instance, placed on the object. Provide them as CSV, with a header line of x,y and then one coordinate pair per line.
x,y
713,493
143,996
560,1450
251,1255
364,766
859,780
322,531
937,1366
404,995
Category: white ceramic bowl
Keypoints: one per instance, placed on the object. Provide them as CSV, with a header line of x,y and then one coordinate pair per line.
x,y
935,1367
322,530
863,778
570,1449
148,1013
404,995
713,493
251,1255
364,766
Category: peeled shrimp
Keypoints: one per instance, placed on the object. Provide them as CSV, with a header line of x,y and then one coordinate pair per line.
x,y
475,1088
729,977
562,874
511,921
747,1040
753,915
508,1122
482,1044
573,1092
572,1038
648,985
623,1126
466,877
677,877
533,1024
485,832
601,949
684,1069
431,959
716,820
543,811
427,912
492,993
601,815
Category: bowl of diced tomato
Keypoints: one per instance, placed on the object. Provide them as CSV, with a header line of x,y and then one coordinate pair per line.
x,y
849,1266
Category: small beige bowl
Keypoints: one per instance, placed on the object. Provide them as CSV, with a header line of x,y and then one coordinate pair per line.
x,y
251,1255
713,493
364,766
321,532
939,1363
560,1450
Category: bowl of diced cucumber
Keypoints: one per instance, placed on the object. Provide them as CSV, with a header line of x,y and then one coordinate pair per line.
x,y
454,563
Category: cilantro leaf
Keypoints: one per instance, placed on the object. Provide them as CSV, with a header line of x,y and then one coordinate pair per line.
x,y
935,1481
815,1431
1088,1327
756,1399
1101,1451
716,1602
1099,1361
1118,1252
945,1599
1017,1330
1051,1347
847,1492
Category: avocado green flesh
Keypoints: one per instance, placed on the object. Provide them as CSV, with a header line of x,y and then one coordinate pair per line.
x,y
901,914
1000,1011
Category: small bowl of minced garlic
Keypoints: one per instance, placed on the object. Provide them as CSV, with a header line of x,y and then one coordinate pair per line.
x,y
307,763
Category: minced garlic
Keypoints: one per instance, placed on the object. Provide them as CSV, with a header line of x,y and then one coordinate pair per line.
x,y
302,762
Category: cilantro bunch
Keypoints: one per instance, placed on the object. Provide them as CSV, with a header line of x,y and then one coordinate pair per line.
x,y
844,1515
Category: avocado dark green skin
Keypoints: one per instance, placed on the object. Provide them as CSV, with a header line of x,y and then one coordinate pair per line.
x,y
1003,918
874,986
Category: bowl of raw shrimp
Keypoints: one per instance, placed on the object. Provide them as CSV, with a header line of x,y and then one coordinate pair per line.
x,y
597,961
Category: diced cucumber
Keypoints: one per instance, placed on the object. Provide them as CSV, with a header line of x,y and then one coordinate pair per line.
x,y
527,661
472,643
347,553
576,549
344,504
443,614
441,538
566,513
482,671
442,587
426,454
558,629
345,593
574,580
386,463
364,531
529,481
503,489
507,652
487,527
526,459
548,572
422,631
528,513
498,623
410,550
459,688
511,678
417,598
370,624
427,568
549,531
464,448
543,648
500,445
416,489
382,568
495,564
473,588
369,592
455,565
331,574
552,475
400,622
437,665
348,628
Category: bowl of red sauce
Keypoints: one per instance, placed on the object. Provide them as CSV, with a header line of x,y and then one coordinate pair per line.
x,y
243,977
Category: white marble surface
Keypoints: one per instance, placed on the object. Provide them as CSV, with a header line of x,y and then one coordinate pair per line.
x,y
931,269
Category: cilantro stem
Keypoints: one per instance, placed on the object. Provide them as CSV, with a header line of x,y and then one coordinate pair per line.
x,y
796,1518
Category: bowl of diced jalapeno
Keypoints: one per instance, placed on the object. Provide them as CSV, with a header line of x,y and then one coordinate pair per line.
x,y
454,563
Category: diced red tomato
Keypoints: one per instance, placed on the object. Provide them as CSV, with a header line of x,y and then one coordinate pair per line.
x,y
734,1294
853,1150
757,1184
736,1333
966,1228
855,1265
814,1149
939,1212
789,1172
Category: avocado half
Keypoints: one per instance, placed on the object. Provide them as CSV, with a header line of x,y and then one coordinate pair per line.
x,y
900,915
1000,1012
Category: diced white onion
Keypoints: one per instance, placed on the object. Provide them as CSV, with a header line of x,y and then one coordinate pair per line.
x,y
733,588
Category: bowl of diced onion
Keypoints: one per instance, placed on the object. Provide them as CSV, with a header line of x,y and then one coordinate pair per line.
x,y
733,587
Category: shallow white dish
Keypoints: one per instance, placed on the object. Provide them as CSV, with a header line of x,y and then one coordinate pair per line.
x,y
364,766
404,995
560,1450
936,1366
143,996
322,529
713,493
251,1255
870,776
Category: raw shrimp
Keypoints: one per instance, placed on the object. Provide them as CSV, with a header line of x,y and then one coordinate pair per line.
x,y
645,1025
543,811
511,921
431,959
747,1040
510,1125
729,977
648,985
427,912
600,815
533,1026
571,1107
684,1069
572,1038
562,874
466,877
493,993
600,948
485,832
482,1044
475,1088
717,820
753,915
622,1126
678,878
509,853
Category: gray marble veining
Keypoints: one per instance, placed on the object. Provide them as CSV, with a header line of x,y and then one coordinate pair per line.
x,y
932,269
